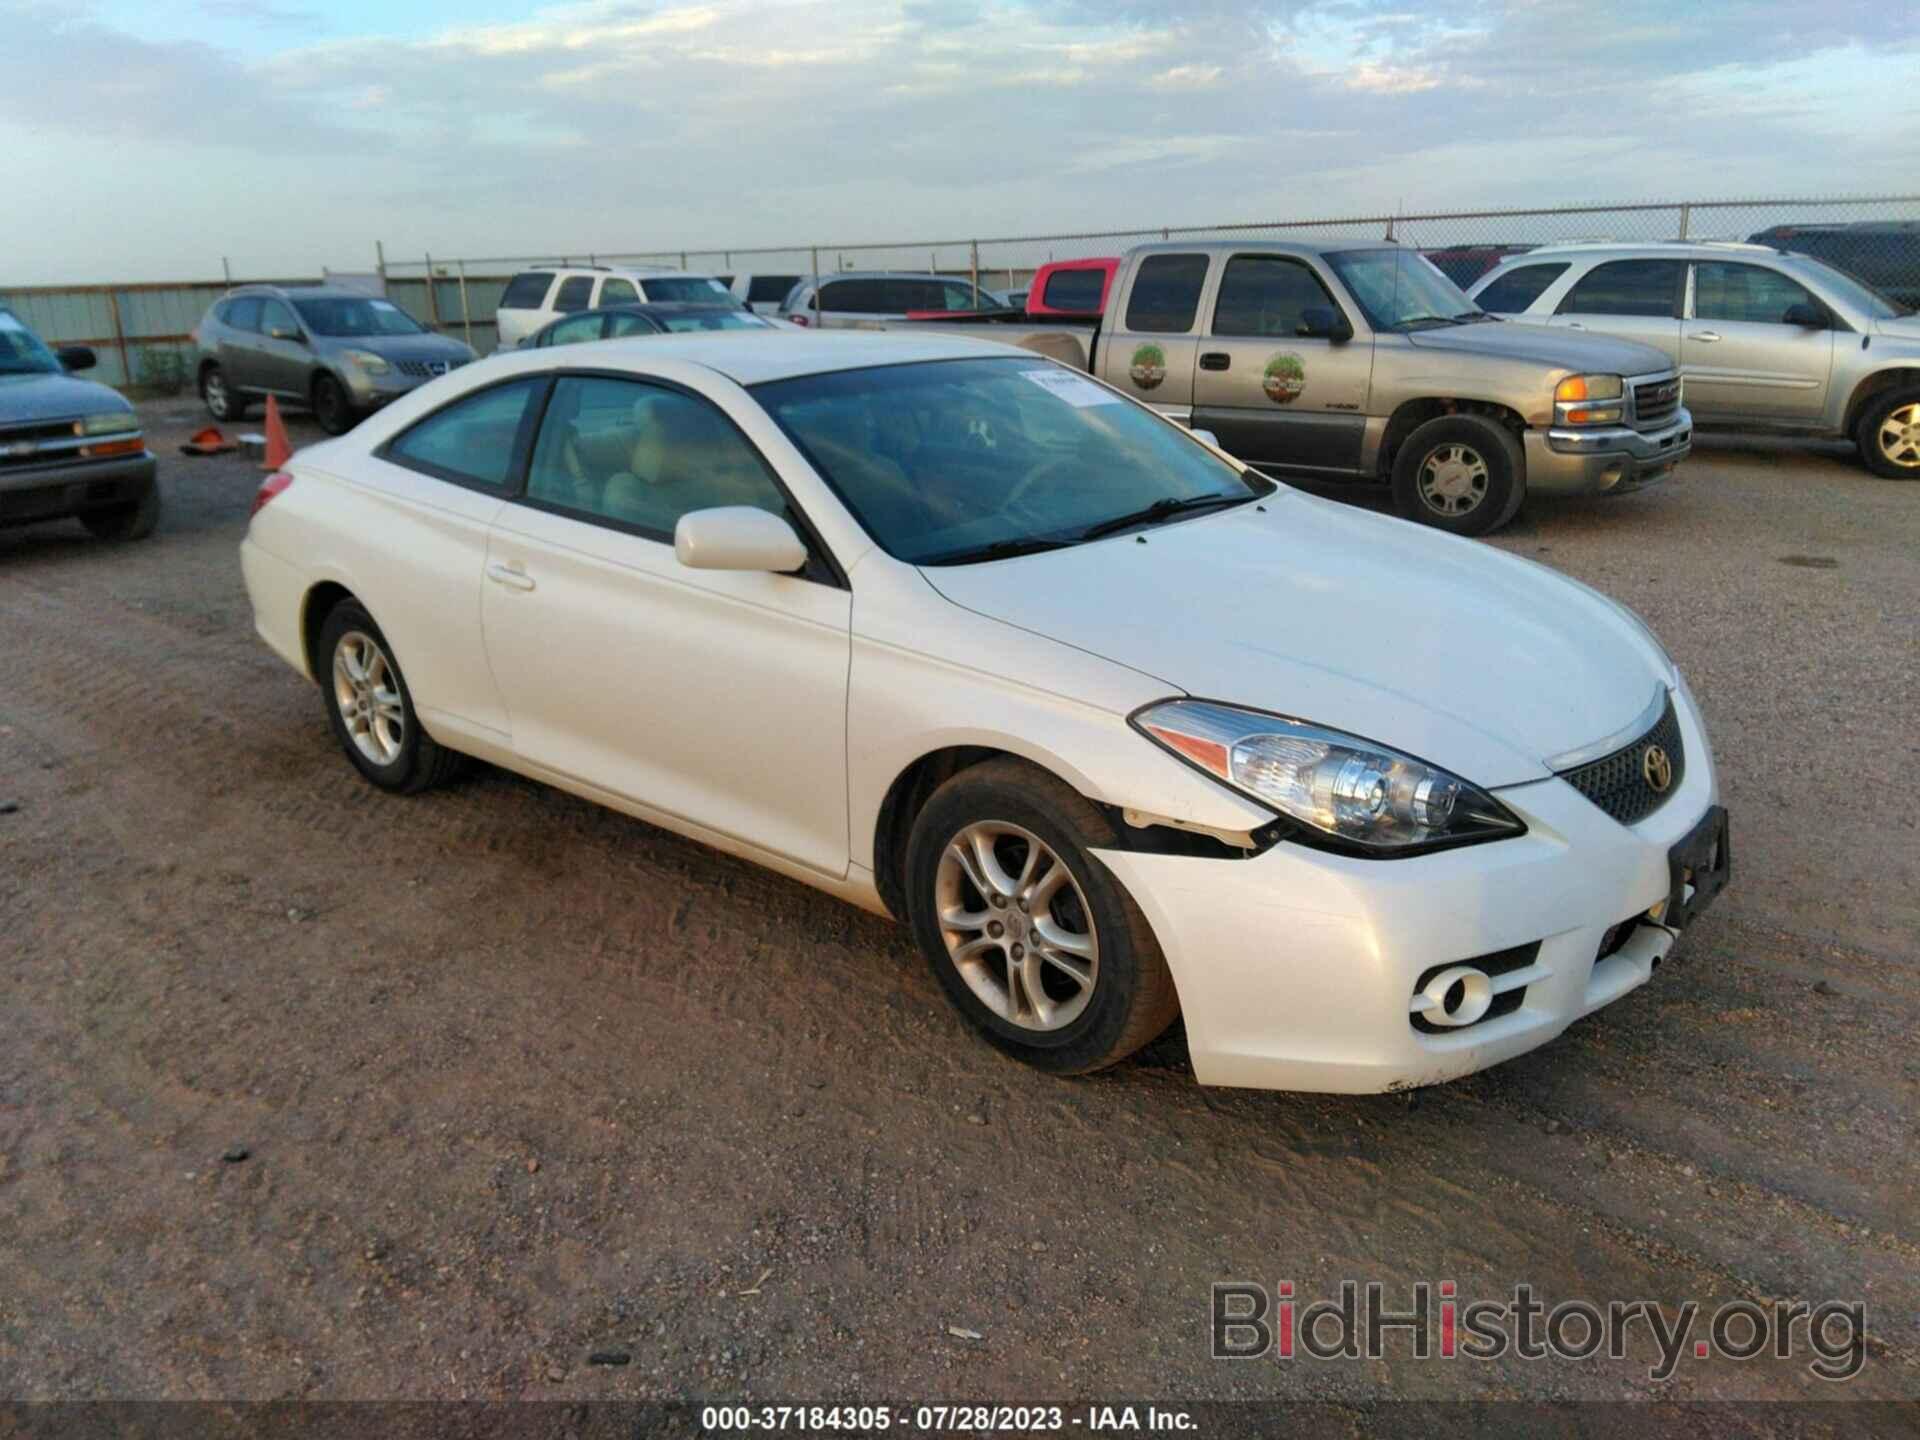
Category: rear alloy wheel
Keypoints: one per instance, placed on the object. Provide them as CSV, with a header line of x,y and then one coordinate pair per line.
x,y
370,708
223,403
1459,473
1032,938
331,405
129,520
1889,435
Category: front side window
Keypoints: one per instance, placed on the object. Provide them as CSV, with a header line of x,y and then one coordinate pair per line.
x,y
1627,287
628,323
1400,290
351,315
1519,287
21,351
615,291
956,460
574,329
574,293
640,456
274,315
527,290
1752,294
1166,294
1267,295
470,442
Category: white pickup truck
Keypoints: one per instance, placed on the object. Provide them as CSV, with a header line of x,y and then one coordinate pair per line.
x,y
1362,361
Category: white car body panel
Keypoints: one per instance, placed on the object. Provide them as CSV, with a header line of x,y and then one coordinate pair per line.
x,y
771,715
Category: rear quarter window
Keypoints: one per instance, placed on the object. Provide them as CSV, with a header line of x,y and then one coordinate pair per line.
x,y
1166,294
473,441
1074,289
1514,291
527,290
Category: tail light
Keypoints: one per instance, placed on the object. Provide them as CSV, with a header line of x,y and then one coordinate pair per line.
x,y
270,487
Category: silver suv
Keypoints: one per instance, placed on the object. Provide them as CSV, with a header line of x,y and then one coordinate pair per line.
x,y
1765,339
339,351
854,297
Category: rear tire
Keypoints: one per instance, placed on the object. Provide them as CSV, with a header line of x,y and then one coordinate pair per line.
x,y
1464,474
223,402
370,710
1063,973
130,520
331,405
1889,434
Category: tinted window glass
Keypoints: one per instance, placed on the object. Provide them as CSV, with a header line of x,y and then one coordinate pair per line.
x,y
642,457
574,293
1626,287
244,313
855,297
685,287
630,324
1166,293
526,290
615,291
770,289
939,459
964,297
726,280
275,315
1266,295
1750,293
715,319
1514,291
471,440
21,351
1400,289
344,315
575,329
1074,289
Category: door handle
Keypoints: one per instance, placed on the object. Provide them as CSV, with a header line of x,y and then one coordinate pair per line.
x,y
1215,360
1705,337
508,576
1575,325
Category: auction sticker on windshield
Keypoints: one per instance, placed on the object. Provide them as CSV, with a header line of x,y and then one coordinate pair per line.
x,y
1082,394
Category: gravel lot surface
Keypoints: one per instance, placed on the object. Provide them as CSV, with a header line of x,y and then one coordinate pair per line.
x,y
306,1091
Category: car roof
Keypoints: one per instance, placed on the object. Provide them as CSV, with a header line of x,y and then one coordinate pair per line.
x,y
751,357
1653,247
302,292
1216,244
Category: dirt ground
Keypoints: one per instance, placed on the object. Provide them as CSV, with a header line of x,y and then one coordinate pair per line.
x,y
520,1082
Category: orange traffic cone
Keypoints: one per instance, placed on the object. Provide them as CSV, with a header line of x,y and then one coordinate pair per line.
x,y
279,449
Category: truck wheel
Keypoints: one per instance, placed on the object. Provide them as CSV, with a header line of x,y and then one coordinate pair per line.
x,y
1889,435
1031,937
130,520
1459,473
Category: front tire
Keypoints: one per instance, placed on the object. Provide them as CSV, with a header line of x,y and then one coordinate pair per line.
x,y
1889,435
223,402
370,709
1032,938
130,520
1460,473
332,407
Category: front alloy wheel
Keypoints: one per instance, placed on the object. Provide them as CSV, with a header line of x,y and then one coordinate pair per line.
x,y
1897,436
1453,480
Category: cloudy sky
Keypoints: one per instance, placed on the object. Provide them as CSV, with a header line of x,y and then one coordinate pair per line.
x,y
155,136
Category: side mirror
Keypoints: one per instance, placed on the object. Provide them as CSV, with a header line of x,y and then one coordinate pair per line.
x,y
737,537
1810,317
285,332
1319,322
76,357
1208,436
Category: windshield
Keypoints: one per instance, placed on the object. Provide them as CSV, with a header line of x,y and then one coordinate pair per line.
x,y
714,320
1849,291
685,287
21,351
941,461
1401,289
351,315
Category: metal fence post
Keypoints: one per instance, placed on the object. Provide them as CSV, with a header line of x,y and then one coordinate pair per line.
x,y
380,264
466,316
226,269
973,267
433,296
1686,214
120,336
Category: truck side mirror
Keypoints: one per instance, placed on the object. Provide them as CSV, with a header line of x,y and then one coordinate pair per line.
x,y
1321,322
76,357
1810,317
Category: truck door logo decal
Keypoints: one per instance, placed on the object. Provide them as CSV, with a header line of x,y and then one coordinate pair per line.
x,y
1285,378
1148,366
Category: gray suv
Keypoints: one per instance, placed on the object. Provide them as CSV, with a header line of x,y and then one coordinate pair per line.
x,y
1766,340
340,352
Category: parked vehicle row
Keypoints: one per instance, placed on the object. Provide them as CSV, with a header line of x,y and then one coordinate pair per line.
x,y
1764,340
619,321
535,297
1119,727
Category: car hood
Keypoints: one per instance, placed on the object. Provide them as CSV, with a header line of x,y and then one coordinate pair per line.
x,y
404,347
1455,652
1905,328
25,398
1545,345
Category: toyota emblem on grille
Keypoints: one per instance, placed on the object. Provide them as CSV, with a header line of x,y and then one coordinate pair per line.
x,y
1657,766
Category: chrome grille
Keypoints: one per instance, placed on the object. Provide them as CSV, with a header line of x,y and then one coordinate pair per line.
x,y
1655,402
44,443
422,369
1618,783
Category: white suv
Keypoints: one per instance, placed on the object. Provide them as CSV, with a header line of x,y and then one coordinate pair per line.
x,y
533,297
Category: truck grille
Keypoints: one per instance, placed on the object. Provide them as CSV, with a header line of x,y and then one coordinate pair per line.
x,y
1622,784
1655,402
45,443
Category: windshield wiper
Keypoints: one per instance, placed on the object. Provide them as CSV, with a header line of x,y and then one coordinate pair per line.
x,y
1474,317
1161,509
1426,320
996,550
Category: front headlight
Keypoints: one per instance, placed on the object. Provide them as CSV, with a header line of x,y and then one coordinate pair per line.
x,y
367,361
110,423
1348,794
1582,400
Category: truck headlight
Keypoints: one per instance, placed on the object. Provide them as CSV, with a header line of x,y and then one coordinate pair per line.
x,y
367,361
1345,793
110,422
1574,400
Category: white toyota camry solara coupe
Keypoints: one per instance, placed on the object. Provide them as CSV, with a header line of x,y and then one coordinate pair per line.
x,y
1122,729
